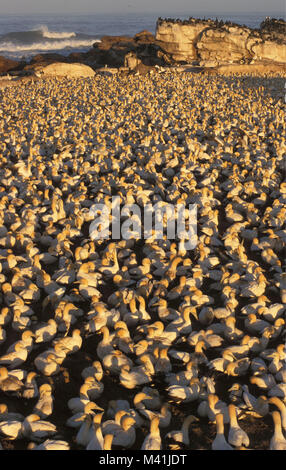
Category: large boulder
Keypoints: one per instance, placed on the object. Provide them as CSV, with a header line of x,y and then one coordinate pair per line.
x,y
67,70
6,65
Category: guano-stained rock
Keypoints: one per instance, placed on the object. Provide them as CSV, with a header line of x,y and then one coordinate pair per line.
x,y
223,45
214,43
179,40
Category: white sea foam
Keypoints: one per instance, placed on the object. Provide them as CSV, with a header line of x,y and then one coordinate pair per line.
x,y
47,45
55,34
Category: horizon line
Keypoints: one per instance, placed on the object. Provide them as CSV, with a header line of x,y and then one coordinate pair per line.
x,y
204,13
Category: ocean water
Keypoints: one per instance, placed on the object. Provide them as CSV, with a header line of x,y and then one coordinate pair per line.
x,y
24,36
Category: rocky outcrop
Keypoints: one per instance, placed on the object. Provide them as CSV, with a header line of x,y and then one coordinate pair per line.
x,y
7,64
223,45
144,37
211,43
178,39
275,28
42,60
269,43
66,70
115,50
269,51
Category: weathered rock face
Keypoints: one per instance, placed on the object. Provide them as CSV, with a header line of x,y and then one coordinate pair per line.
x,y
179,39
67,70
223,45
213,42
7,64
270,51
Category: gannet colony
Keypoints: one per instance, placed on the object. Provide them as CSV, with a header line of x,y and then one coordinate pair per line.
x,y
142,343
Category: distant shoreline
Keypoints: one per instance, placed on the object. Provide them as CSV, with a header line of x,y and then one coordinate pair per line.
x,y
93,27
207,43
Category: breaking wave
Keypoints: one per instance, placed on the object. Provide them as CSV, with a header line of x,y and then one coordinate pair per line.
x,y
55,34
42,40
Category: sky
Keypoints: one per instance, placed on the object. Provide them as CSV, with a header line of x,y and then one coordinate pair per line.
x,y
142,6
